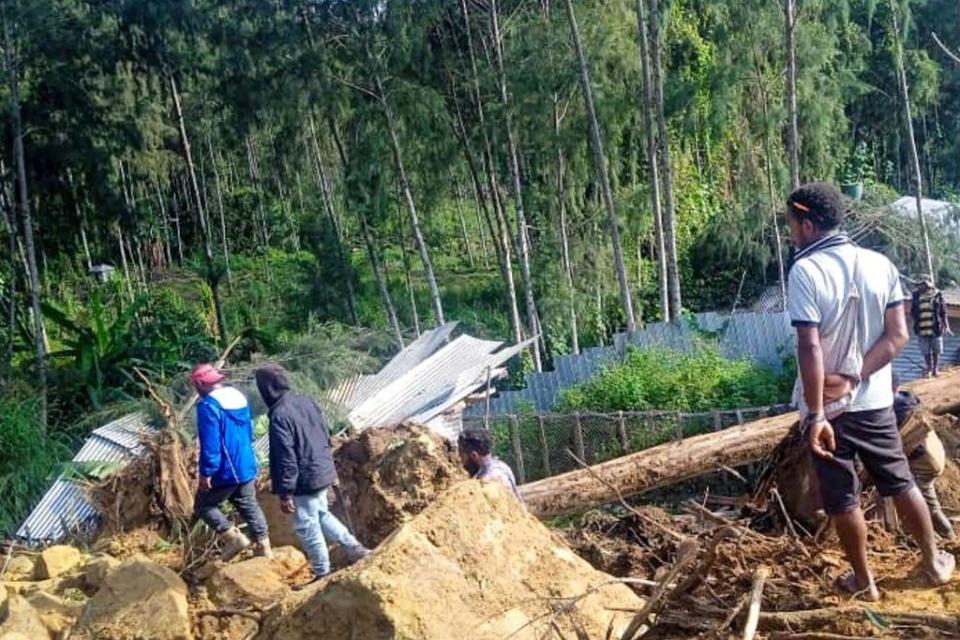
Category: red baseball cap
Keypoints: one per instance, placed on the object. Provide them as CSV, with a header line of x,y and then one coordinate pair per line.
x,y
205,373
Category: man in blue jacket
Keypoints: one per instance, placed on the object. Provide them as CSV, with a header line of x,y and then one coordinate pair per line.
x,y
302,469
228,463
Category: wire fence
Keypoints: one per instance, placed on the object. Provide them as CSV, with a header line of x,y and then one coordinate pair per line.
x,y
536,446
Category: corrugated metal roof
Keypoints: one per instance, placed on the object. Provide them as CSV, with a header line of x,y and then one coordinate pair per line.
x,y
64,509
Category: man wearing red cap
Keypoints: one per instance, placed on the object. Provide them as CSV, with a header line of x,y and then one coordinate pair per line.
x,y
228,464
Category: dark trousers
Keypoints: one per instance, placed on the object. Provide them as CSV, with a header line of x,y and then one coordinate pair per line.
x,y
243,497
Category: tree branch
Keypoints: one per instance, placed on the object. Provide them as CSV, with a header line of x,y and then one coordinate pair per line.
x,y
947,51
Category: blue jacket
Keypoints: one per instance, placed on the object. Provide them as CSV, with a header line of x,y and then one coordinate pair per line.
x,y
226,437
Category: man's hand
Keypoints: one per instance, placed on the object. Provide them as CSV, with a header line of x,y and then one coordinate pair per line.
x,y
205,483
286,504
948,331
822,440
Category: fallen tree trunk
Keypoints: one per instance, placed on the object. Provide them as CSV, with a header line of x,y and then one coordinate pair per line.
x,y
678,461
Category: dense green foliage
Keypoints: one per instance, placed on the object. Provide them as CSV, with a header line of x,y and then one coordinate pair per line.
x,y
300,116
663,378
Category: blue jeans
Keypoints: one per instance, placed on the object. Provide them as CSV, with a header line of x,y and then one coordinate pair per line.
x,y
315,526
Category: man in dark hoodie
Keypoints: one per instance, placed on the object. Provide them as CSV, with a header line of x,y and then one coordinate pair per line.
x,y
302,469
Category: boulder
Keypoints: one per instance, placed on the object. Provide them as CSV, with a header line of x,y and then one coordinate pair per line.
x,y
257,581
290,559
140,600
57,614
20,568
57,560
97,570
21,618
474,563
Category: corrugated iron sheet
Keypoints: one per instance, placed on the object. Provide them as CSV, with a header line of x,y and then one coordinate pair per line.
x,y
64,510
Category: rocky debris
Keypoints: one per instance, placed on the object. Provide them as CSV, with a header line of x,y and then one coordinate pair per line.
x,y
57,614
18,617
97,570
472,563
391,475
20,568
139,600
258,581
58,560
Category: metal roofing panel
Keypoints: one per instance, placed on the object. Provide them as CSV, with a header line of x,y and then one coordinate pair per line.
x,y
65,509
409,357
421,385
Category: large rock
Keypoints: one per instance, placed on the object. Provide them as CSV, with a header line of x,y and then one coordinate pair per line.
x,y
257,581
474,563
97,570
20,568
56,613
139,600
58,560
21,618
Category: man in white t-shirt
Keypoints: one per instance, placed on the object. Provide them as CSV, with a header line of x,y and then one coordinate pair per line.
x,y
847,307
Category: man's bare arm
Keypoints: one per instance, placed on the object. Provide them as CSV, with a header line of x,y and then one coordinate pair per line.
x,y
810,363
885,349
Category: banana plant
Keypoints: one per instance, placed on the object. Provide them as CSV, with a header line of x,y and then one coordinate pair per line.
x,y
103,346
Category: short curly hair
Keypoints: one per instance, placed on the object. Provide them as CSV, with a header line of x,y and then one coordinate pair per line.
x,y
475,440
819,202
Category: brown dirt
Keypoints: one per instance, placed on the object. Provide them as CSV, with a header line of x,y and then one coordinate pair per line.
x,y
391,475
473,564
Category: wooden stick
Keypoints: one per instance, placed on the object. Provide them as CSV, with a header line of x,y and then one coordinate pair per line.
x,y
192,400
645,518
753,614
685,557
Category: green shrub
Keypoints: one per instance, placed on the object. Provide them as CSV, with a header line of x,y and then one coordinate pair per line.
x,y
662,378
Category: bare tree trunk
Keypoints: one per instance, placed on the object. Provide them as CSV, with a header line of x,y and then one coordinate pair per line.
x,y
483,238
666,173
793,135
13,77
9,225
651,134
381,279
124,262
166,226
463,221
406,268
533,317
212,277
327,199
501,237
411,205
911,140
600,164
564,240
781,271
223,222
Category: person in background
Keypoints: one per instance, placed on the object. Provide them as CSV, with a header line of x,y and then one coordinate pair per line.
x,y
927,461
474,447
930,323
228,464
302,469
847,307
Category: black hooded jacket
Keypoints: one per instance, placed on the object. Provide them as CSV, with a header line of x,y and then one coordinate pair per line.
x,y
301,455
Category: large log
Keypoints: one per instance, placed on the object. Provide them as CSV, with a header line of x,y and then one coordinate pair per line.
x,y
677,461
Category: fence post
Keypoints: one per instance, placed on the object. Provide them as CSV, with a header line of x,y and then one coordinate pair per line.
x,y
739,416
622,431
517,451
717,421
679,433
578,437
543,446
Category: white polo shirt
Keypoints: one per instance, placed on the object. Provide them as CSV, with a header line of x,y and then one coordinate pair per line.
x,y
819,288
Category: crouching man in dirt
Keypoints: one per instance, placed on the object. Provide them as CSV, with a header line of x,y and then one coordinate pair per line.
x,y
474,447
302,469
228,463
847,307
927,461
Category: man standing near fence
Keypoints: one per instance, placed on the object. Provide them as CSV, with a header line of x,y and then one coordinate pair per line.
x,y
475,447
847,307
930,323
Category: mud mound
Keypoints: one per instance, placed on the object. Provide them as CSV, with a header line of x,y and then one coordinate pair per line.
x,y
621,546
473,564
391,475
